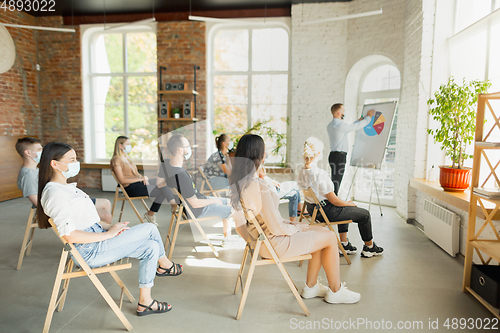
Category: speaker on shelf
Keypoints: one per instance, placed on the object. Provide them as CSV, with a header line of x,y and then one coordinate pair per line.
x,y
163,109
186,111
174,86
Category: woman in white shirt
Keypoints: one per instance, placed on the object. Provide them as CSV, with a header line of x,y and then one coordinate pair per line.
x,y
99,243
288,239
336,209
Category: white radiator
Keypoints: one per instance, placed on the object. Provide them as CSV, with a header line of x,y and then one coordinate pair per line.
x,y
442,227
108,182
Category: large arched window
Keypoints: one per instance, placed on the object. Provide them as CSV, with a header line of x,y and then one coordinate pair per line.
x,y
380,83
249,73
120,88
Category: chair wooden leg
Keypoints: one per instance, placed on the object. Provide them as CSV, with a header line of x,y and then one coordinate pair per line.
x,y
65,288
341,247
288,279
248,281
136,211
121,211
144,204
104,292
242,268
27,239
30,240
114,202
55,291
170,227
205,237
176,230
123,287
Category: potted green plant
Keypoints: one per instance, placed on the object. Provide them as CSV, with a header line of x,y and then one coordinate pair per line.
x,y
455,110
176,113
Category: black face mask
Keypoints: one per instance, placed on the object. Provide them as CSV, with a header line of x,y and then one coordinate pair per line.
x,y
342,117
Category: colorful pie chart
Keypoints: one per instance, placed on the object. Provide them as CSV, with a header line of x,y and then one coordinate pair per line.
x,y
376,126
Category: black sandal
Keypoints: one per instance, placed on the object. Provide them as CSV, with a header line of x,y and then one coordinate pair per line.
x,y
162,307
175,270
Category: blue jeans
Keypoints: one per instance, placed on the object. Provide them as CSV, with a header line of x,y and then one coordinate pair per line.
x,y
219,183
290,191
142,242
215,210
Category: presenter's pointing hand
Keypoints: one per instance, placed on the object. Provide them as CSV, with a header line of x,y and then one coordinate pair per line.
x,y
371,113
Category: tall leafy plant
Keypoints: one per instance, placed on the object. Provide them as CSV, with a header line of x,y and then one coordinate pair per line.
x,y
455,110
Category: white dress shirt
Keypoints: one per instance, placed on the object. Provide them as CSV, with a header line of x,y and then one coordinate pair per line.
x,y
337,132
69,207
318,180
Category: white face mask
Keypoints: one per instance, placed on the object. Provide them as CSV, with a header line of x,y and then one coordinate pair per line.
x,y
127,149
37,157
73,169
188,153
231,145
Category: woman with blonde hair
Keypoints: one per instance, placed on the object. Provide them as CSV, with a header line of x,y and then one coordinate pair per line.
x,y
135,184
336,209
288,239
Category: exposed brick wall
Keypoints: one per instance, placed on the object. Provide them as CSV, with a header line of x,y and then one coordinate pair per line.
x,y
19,104
180,46
61,85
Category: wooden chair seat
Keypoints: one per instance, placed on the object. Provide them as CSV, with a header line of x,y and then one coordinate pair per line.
x,y
68,270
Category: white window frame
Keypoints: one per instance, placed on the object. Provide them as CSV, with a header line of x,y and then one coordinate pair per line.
x,y
89,34
212,31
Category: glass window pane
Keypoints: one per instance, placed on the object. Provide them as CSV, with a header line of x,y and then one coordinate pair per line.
x,y
108,54
230,103
142,89
108,114
230,89
269,49
385,77
141,52
468,58
231,50
230,119
142,122
269,89
272,120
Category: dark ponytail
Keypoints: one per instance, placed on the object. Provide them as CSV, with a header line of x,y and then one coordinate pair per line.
x,y
52,151
219,140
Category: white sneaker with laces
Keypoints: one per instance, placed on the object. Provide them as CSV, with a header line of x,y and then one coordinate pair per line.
x,y
318,290
150,219
343,295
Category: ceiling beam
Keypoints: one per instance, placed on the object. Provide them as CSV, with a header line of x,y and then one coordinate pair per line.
x,y
180,16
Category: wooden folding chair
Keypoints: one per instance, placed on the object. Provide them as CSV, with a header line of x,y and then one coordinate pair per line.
x,y
178,218
309,193
210,191
28,236
66,271
125,197
255,261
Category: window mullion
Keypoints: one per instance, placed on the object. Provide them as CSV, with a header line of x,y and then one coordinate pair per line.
x,y
249,80
125,85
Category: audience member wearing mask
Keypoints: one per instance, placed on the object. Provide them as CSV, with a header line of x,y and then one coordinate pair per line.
x,y
134,183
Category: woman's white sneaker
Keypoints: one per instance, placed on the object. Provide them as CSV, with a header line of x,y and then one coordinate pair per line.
x,y
317,290
343,295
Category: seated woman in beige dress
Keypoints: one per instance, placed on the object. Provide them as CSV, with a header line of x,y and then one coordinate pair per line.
x,y
288,239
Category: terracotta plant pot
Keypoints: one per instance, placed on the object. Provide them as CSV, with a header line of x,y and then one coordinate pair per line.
x,y
456,180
